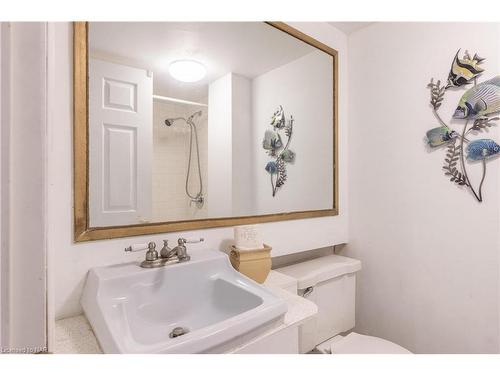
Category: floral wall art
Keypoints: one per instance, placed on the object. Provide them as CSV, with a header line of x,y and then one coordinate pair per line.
x,y
278,149
476,110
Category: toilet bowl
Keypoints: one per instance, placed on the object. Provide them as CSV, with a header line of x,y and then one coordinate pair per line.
x,y
330,282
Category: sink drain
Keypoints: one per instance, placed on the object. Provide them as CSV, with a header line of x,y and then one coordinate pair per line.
x,y
178,331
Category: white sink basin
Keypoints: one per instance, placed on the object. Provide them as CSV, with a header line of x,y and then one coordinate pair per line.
x,y
134,310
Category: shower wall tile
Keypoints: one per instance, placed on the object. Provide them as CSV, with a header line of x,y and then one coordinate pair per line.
x,y
170,162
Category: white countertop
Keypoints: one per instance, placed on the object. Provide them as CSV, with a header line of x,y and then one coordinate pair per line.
x,y
75,336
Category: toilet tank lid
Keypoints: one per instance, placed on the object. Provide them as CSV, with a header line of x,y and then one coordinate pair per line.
x,y
314,271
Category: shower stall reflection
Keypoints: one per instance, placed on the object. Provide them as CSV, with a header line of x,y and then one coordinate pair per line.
x,y
180,159
196,198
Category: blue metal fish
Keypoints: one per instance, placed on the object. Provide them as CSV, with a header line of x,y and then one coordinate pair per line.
x,y
439,136
480,100
482,149
271,167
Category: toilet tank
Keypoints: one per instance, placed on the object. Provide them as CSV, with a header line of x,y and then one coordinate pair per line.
x,y
329,282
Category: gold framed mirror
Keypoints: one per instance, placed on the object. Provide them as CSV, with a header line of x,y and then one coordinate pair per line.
x,y
314,175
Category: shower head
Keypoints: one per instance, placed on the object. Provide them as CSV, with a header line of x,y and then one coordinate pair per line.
x,y
170,121
189,120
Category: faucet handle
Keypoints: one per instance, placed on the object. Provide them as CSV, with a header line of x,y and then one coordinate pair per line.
x,y
182,241
165,250
137,247
151,254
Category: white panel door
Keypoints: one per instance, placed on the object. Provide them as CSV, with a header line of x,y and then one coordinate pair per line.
x,y
121,144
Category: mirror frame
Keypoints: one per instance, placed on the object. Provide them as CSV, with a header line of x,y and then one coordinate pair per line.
x,y
82,229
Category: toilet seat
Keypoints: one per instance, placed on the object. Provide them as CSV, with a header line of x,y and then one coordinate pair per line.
x,y
354,343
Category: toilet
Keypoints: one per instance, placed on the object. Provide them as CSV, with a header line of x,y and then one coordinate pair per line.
x,y
330,282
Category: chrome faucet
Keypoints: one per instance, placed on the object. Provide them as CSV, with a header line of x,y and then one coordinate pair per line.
x,y
180,251
165,250
152,260
167,255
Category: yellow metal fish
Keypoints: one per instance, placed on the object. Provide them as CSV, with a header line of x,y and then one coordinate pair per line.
x,y
464,70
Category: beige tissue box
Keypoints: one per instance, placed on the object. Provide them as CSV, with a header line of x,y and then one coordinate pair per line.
x,y
256,264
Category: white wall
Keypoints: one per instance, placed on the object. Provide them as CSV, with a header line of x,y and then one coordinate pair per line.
x,y
72,261
220,185
230,144
429,250
304,87
2,182
24,184
242,146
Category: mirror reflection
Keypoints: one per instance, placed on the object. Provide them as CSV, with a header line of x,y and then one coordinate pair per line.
x,y
196,120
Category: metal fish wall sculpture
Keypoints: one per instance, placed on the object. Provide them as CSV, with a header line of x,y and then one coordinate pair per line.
x,y
275,148
476,108
464,70
480,100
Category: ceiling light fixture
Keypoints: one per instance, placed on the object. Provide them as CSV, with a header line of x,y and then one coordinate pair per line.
x,y
187,70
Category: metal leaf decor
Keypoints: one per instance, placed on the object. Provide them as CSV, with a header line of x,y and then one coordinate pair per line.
x,y
274,147
482,124
477,105
280,181
452,156
437,94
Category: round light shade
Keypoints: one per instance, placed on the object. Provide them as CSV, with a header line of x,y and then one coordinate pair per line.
x,y
187,70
